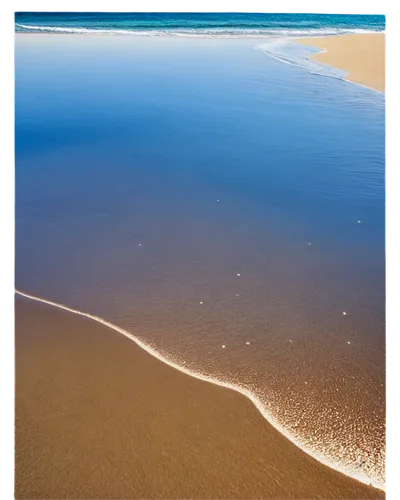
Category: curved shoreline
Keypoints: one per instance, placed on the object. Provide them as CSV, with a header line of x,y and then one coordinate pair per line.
x,y
249,395
360,55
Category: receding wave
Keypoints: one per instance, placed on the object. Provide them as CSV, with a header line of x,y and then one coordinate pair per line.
x,y
331,462
288,51
234,32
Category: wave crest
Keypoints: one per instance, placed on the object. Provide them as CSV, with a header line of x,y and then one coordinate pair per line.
x,y
191,32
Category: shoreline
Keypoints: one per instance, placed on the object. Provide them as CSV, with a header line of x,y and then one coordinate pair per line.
x,y
335,468
361,55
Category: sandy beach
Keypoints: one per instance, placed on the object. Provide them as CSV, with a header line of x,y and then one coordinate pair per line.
x,y
98,417
361,55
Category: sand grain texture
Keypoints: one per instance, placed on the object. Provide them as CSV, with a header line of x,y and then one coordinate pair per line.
x,y
98,417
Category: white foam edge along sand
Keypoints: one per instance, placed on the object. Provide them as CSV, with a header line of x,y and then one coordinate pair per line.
x,y
245,392
288,51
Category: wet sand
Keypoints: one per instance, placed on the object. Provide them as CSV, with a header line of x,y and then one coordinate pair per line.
x,y
99,417
361,55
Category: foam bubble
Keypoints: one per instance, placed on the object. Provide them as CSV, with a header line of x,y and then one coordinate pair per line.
x,y
288,433
231,32
290,52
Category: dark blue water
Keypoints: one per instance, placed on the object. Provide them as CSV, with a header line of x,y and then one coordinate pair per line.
x,y
200,24
199,193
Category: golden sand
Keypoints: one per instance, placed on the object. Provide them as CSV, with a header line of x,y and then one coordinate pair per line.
x,y
98,417
361,55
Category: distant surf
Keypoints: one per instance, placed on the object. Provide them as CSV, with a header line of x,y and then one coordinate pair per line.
x,y
198,33
314,453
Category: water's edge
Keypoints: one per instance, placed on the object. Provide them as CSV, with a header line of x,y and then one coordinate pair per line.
x,y
281,47
288,51
245,392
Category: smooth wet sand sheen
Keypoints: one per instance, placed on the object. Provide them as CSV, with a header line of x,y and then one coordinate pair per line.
x,y
361,55
98,417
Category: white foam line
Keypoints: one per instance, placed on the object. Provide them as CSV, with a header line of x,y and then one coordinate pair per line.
x,y
196,32
317,68
245,392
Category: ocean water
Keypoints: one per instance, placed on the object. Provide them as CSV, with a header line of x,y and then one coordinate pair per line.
x,y
278,30
199,193
196,24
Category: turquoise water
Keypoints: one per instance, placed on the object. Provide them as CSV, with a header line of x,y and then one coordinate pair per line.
x,y
278,30
198,193
191,24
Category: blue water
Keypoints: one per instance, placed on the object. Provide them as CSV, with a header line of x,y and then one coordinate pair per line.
x,y
200,24
199,193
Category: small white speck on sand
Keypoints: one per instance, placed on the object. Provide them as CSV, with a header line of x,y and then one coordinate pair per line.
x,y
247,343
290,340
238,274
223,347
344,313
348,342
237,295
201,302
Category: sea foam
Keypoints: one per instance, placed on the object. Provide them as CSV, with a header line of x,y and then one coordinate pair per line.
x,y
290,52
230,32
318,455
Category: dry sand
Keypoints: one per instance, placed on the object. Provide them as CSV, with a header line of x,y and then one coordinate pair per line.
x,y
98,417
361,55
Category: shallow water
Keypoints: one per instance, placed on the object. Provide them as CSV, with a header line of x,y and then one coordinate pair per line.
x,y
199,193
